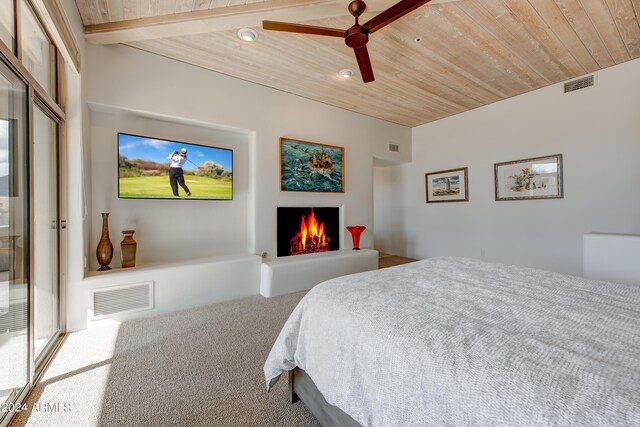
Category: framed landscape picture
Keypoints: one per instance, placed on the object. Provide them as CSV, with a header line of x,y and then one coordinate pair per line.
x,y
309,166
447,186
536,178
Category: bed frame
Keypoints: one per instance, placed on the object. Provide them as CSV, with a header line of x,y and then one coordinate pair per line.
x,y
302,387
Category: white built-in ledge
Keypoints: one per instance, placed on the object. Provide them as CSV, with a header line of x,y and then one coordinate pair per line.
x,y
302,272
177,285
160,265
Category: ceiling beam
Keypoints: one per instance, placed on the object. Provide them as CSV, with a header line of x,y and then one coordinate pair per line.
x,y
222,19
213,20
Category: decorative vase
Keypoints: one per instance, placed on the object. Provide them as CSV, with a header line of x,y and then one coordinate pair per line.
x,y
356,231
104,251
128,249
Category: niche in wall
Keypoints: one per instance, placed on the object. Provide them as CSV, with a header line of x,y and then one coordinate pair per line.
x,y
166,230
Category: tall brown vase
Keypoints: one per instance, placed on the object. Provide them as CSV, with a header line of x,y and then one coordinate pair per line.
x,y
104,251
128,249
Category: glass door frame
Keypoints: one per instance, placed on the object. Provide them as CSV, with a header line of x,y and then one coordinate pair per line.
x,y
20,153
37,364
13,62
36,94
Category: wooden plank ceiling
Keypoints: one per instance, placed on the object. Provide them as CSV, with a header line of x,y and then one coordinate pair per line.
x,y
471,52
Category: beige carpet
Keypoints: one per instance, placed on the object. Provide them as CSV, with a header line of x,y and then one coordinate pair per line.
x,y
200,367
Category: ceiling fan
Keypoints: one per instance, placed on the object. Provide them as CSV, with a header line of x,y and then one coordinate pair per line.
x,y
357,36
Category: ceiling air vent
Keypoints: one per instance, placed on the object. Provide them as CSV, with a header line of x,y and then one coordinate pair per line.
x,y
120,299
394,147
579,84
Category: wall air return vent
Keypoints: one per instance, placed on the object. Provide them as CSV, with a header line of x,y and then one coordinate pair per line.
x,y
121,299
394,147
578,84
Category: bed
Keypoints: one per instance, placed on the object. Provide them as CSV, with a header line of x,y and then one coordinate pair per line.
x,y
450,341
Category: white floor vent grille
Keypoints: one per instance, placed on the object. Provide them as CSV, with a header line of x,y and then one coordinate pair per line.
x,y
121,299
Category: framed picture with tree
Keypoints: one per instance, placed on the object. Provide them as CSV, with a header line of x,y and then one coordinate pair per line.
x,y
535,178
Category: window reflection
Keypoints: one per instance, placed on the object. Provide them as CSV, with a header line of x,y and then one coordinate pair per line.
x,y
36,49
7,23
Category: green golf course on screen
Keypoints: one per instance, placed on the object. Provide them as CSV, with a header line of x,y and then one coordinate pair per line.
x,y
152,168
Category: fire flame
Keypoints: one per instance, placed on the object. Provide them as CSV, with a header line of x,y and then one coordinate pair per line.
x,y
311,228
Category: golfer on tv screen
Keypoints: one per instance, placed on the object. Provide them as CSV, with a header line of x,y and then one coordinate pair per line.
x,y
176,174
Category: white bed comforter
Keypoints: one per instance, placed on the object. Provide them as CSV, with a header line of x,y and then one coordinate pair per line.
x,y
461,342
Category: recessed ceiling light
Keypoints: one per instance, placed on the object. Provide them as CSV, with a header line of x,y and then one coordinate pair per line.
x,y
345,73
247,34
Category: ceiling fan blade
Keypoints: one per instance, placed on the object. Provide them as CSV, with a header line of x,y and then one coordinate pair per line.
x,y
396,11
362,55
299,28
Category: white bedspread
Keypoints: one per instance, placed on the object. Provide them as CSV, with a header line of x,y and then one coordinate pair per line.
x,y
461,342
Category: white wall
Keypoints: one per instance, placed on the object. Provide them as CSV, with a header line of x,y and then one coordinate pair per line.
x,y
166,230
123,77
598,132
134,91
388,225
75,205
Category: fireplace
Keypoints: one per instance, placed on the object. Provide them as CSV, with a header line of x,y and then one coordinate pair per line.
x,y
308,230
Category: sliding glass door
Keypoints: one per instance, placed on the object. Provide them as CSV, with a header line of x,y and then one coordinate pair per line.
x,y
45,230
14,237
30,120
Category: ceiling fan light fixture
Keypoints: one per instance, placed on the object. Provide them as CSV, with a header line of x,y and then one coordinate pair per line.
x,y
345,73
247,34
357,36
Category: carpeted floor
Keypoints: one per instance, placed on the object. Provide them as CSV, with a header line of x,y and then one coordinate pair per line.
x,y
200,367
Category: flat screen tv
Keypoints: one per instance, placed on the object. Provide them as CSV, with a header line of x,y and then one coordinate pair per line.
x,y
153,168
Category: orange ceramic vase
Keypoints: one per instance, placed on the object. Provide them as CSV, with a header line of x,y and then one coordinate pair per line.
x,y
128,249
